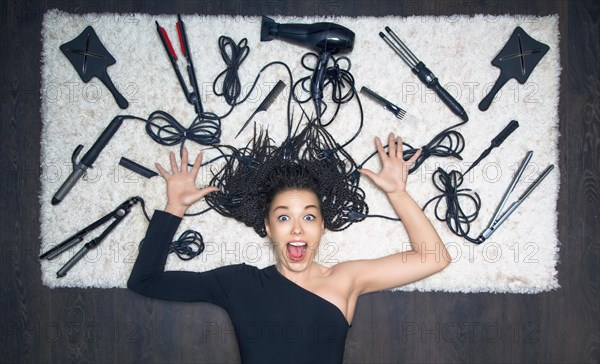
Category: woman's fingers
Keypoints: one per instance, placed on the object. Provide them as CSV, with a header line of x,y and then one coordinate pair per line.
x,y
380,149
184,159
174,168
368,173
391,146
161,170
411,162
197,162
209,189
399,148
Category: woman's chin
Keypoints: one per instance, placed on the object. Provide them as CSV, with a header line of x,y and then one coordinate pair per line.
x,y
296,264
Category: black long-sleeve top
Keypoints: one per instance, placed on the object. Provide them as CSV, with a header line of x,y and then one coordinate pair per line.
x,y
275,320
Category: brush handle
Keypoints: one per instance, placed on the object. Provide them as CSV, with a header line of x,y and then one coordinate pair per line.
x,y
120,99
487,100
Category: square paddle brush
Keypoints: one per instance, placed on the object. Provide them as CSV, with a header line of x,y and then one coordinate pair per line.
x,y
516,60
91,59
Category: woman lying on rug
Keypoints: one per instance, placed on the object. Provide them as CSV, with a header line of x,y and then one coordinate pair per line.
x,y
305,307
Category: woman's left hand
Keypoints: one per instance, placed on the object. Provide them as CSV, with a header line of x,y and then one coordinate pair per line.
x,y
394,171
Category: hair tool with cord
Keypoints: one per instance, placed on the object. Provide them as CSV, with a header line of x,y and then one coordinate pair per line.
x,y
118,215
499,215
424,74
326,39
449,184
193,97
87,160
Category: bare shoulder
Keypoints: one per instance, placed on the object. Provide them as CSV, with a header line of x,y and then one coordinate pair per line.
x,y
335,277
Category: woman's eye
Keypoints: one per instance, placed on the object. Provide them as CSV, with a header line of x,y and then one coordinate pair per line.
x,y
283,218
309,217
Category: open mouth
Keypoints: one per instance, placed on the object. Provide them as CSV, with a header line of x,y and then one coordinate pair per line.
x,y
296,250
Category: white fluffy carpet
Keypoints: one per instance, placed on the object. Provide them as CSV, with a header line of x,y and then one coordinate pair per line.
x,y
521,257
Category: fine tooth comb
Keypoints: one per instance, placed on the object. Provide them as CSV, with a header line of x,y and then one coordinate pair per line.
x,y
399,112
265,104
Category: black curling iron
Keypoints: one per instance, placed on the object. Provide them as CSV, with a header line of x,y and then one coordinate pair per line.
x,y
87,160
118,214
424,74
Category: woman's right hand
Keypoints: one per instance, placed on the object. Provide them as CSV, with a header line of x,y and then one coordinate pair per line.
x,y
181,184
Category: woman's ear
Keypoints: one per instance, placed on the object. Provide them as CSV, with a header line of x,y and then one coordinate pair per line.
x,y
267,228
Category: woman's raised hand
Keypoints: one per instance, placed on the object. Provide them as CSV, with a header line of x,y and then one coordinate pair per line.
x,y
181,184
394,171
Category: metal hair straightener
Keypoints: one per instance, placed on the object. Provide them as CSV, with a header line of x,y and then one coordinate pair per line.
x,y
501,215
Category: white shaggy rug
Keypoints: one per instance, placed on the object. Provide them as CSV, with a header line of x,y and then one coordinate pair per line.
x,y
521,257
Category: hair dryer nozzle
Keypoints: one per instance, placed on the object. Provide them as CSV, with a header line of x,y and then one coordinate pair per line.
x,y
321,37
267,29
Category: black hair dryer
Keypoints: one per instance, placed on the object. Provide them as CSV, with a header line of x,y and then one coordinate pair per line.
x,y
325,38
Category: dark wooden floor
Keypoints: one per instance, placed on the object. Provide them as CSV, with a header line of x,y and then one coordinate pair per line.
x,y
95,325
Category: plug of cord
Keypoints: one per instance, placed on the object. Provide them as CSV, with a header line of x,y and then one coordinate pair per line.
x,y
354,216
248,161
326,154
354,175
231,201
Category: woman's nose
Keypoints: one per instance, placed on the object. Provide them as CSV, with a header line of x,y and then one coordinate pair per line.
x,y
297,229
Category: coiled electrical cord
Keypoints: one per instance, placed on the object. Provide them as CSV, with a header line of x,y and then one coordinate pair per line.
x,y
447,143
190,243
233,55
342,83
449,184
454,215
164,129
336,76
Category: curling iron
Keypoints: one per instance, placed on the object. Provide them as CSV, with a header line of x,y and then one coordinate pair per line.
x,y
87,160
424,74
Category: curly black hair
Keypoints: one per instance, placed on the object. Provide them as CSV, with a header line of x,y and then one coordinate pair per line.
x,y
311,159
286,177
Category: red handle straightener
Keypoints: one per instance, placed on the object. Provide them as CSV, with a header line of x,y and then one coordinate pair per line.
x,y
192,96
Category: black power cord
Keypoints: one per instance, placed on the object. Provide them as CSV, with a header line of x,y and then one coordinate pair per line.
x,y
447,143
190,243
233,55
343,90
449,184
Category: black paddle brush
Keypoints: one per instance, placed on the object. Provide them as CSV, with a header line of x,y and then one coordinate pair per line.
x,y
91,59
516,60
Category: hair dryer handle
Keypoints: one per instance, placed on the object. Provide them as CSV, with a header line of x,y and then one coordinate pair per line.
x,y
317,81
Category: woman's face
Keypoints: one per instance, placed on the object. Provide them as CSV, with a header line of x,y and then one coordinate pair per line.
x,y
295,226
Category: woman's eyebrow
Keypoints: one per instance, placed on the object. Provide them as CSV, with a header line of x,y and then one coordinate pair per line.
x,y
284,207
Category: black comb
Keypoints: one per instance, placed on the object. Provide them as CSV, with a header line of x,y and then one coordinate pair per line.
x,y
264,105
